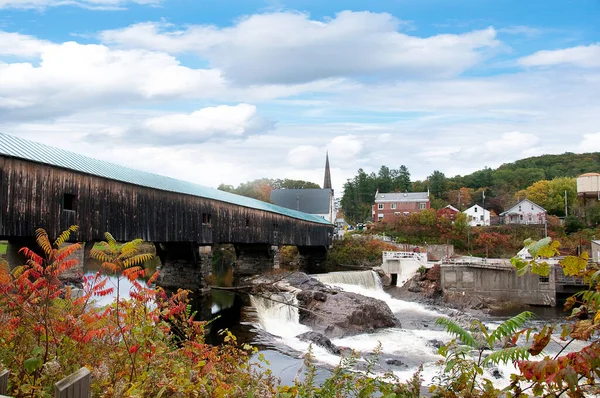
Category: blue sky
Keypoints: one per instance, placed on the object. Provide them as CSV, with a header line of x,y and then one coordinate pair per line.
x,y
228,91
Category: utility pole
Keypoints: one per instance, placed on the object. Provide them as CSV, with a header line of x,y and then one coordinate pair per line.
x,y
483,205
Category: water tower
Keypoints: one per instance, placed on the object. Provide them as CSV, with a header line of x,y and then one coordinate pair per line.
x,y
588,189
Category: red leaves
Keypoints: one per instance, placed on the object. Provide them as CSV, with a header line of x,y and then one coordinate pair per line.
x,y
565,369
134,348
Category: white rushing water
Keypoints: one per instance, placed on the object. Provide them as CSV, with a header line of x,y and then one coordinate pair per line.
x,y
411,343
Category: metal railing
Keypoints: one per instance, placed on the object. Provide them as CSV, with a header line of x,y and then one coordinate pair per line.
x,y
480,262
399,255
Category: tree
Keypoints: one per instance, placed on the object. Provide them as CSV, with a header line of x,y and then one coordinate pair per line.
x,y
293,184
402,179
385,181
550,194
491,240
437,184
261,188
460,198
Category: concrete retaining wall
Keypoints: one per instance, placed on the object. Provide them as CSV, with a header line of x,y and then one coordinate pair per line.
x,y
498,284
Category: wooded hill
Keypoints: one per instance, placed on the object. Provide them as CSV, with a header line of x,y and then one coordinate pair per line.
x,y
502,186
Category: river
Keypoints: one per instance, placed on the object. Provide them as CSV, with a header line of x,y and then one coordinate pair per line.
x,y
272,327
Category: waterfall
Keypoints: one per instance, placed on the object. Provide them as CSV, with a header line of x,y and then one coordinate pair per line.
x,y
366,279
278,318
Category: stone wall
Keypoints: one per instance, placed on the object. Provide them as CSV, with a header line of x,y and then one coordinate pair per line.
x,y
184,265
498,284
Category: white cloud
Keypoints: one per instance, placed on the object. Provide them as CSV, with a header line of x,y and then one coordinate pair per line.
x,y
582,56
304,155
345,147
91,4
72,76
290,47
18,45
590,143
217,122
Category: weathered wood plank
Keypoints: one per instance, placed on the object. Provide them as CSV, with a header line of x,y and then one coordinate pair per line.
x,y
75,385
33,194
4,382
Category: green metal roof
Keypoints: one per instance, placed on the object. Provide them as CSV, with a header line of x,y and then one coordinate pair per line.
x,y
40,153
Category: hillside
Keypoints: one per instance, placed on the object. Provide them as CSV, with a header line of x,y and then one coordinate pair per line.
x,y
522,173
502,185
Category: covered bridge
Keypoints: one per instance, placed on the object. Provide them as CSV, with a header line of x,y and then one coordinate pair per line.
x,y
47,187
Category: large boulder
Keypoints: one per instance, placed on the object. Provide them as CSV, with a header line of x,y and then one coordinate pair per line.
x,y
338,314
331,311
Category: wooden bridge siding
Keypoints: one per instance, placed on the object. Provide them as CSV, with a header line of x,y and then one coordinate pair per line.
x,y
31,196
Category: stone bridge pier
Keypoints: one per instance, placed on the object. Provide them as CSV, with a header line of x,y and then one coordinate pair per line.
x,y
311,259
183,265
252,259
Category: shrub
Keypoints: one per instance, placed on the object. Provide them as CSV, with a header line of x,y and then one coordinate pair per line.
x,y
146,345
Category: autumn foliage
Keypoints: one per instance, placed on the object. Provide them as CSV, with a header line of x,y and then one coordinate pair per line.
x,y
144,344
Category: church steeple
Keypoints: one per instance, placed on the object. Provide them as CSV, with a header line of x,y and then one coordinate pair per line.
x,y
327,181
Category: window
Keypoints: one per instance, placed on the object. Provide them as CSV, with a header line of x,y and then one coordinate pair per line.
x,y
475,210
380,206
69,202
521,217
544,279
531,207
393,206
379,217
247,222
206,219
423,206
519,208
481,218
406,213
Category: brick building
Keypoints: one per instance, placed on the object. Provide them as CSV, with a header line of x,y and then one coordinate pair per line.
x,y
394,204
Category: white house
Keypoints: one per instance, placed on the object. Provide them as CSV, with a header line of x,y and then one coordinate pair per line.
x,y
477,216
524,212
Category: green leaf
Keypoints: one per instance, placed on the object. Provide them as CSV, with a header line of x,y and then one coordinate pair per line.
x,y
510,326
454,329
506,355
32,364
540,268
521,265
535,247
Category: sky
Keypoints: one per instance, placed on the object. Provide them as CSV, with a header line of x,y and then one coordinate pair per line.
x,y
227,91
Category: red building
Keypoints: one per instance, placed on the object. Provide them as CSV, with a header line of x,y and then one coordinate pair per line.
x,y
449,212
394,204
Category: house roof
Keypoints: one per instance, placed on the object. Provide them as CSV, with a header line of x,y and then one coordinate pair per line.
x,y
313,201
19,148
519,203
450,207
589,175
401,197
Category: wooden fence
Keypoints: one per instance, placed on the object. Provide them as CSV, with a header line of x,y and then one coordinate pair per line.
x,y
75,385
